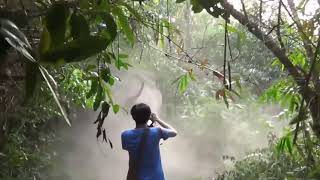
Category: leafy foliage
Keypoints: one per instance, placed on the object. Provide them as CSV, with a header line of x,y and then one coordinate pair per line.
x,y
31,136
183,81
286,93
69,34
269,163
65,39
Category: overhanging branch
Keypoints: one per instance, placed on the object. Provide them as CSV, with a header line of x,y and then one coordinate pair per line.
x,y
268,42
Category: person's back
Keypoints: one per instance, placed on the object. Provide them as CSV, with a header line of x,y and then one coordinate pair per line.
x,y
142,143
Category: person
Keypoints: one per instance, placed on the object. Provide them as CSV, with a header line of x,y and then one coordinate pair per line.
x,y
142,143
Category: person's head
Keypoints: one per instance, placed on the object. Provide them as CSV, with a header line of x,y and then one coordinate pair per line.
x,y
140,113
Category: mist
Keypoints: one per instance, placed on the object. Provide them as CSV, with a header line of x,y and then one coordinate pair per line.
x,y
186,157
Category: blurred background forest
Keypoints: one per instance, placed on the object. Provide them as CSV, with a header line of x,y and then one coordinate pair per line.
x,y
239,79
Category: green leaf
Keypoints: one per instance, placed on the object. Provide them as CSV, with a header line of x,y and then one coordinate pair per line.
x,y
232,29
289,144
93,89
105,108
281,145
105,74
225,99
120,63
106,58
276,62
169,26
183,83
132,11
285,143
161,33
56,23
124,24
99,97
79,26
297,58
77,50
112,55
107,91
111,27
116,108
111,80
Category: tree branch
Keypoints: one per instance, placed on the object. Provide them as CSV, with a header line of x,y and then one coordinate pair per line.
x,y
225,53
279,25
244,9
307,44
260,12
269,43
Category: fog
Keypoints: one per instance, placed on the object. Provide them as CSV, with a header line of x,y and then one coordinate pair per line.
x,y
85,158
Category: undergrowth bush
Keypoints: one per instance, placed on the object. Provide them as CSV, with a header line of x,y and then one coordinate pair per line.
x,y
275,163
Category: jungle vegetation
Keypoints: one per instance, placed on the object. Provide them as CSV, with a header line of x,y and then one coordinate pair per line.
x,y
56,55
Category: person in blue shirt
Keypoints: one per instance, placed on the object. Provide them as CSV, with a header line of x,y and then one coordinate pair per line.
x,y
142,143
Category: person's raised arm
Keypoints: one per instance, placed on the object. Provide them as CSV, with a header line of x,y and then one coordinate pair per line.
x,y
172,132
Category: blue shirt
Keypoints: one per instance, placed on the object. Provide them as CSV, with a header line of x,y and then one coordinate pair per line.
x,y
150,160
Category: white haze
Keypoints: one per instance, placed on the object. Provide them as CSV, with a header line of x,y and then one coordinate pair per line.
x,y
83,158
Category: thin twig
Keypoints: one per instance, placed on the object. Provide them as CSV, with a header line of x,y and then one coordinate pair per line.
x,y
199,65
229,71
22,6
141,53
225,52
204,33
168,16
298,25
173,42
230,51
244,9
279,25
260,13
272,29
202,42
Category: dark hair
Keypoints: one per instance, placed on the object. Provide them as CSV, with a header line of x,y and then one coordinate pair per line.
x,y
140,113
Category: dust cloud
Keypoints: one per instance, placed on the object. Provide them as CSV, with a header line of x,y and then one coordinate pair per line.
x,y
84,158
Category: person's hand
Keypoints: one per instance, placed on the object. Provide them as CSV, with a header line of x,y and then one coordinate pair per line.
x,y
153,117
